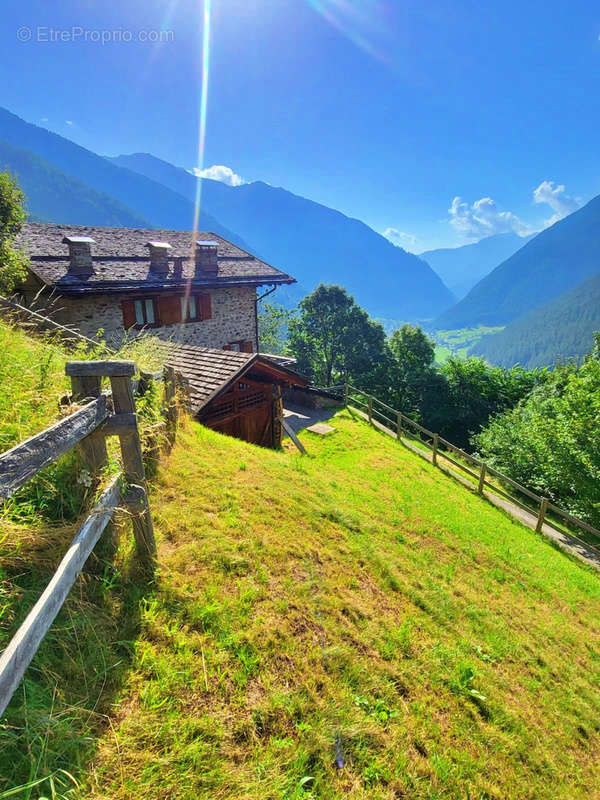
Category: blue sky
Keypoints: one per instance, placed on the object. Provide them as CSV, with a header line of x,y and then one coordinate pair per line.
x,y
387,110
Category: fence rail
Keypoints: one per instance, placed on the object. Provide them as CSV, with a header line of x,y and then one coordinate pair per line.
x,y
25,460
101,415
401,425
25,643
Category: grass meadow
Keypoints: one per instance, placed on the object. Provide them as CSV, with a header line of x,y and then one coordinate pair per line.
x,y
351,623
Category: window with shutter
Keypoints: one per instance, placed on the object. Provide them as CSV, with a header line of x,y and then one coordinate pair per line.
x,y
189,308
140,313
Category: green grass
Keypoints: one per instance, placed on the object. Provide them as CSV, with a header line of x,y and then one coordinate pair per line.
x,y
355,604
32,382
352,603
44,747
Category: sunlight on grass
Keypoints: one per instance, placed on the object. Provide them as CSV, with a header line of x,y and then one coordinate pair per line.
x,y
357,597
347,624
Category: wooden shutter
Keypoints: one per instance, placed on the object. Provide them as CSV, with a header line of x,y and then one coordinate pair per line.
x,y
247,347
128,313
169,309
205,307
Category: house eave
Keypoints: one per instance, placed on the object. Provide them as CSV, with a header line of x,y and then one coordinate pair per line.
x,y
68,289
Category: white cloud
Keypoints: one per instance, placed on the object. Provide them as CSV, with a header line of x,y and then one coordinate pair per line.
x,y
400,238
483,218
555,197
68,121
219,173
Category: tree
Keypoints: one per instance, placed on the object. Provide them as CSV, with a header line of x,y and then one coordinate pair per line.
x,y
413,369
334,340
13,263
476,391
273,323
550,442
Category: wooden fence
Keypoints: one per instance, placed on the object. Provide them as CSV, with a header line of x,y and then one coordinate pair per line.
x,y
481,474
100,415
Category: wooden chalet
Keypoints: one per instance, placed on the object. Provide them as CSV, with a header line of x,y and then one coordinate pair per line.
x,y
239,394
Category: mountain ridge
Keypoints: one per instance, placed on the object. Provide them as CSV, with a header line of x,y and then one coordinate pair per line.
x,y
157,204
334,248
555,261
54,196
462,267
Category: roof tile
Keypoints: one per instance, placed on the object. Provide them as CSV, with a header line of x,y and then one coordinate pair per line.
x,y
122,262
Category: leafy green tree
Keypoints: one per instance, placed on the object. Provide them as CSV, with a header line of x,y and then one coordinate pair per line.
x,y
273,323
13,264
334,340
550,442
413,371
474,391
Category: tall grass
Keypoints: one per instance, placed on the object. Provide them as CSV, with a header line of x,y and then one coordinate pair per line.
x,y
59,708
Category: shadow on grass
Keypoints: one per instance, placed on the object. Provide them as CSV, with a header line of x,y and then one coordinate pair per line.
x,y
49,731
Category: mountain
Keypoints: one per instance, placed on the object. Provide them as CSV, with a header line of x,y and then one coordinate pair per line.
x,y
561,329
462,267
146,199
556,260
312,242
53,196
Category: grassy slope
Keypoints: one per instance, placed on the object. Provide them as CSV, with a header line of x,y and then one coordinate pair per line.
x,y
82,660
356,594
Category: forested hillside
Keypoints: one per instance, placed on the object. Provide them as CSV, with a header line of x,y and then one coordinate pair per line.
x,y
54,196
561,329
558,259
147,199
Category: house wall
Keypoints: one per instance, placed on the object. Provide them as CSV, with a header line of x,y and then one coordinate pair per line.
x,y
233,319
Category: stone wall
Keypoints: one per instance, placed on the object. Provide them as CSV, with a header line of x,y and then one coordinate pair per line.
x,y
233,319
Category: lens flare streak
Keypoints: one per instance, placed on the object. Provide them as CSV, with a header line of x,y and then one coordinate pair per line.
x,y
361,21
206,26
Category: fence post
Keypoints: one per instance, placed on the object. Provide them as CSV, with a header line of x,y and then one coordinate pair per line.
x,y
542,514
133,464
120,374
370,409
482,475
93,447
398,426
170,407
436,441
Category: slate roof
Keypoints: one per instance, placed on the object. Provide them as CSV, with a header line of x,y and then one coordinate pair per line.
x,y
207,372
122,262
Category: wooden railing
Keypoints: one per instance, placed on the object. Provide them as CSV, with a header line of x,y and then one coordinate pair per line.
x,y
478,471
101,415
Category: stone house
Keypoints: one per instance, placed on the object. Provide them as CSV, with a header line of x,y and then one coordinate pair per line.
x,y
195,289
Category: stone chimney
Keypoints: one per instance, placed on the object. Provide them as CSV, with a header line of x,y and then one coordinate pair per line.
x,y
207,256
159,257
80,254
